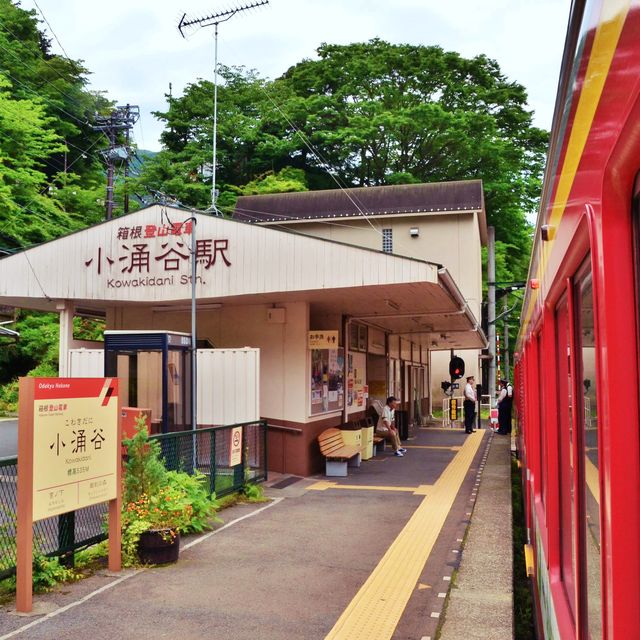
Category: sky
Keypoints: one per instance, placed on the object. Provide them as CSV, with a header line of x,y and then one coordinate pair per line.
x,y
134,50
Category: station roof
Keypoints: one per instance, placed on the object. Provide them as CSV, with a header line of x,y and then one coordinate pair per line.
x,y
461,196
143,259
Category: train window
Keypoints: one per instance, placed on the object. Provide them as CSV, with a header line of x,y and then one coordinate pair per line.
x,y
542,450
588,441
566,478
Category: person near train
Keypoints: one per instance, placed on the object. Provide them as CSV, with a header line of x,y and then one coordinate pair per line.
x,y
504,403
469,405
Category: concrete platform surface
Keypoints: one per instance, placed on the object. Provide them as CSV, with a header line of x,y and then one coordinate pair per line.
x,y
367,556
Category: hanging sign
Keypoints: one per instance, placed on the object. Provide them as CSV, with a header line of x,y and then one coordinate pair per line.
x,y
235,450
322,340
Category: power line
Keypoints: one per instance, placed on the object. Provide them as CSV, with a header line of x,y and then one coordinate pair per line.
x,y
121,119
51,29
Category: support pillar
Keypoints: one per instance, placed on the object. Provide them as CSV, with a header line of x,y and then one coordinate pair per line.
x,y
66,310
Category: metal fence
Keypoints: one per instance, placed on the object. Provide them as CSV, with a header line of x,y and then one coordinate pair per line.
x,y
54,536
208,450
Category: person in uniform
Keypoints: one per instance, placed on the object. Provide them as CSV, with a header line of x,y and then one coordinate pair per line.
x,y
504,402
469,405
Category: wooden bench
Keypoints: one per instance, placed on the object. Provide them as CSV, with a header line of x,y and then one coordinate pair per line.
x,y
337,454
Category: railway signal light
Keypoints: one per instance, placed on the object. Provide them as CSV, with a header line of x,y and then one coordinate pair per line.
x,y
456,367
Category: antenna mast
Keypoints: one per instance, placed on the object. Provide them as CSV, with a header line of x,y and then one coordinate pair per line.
x,y
215,19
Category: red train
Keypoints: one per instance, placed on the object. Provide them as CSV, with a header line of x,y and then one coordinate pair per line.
x,y
577,375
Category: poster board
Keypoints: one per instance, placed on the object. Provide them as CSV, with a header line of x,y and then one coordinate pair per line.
x,y
327,381
357,378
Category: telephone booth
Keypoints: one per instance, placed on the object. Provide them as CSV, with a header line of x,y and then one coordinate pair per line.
x,y
154,368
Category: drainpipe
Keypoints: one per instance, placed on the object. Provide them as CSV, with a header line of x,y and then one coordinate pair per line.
x,y
346,325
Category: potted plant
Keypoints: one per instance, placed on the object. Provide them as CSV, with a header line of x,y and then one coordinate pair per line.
x,y
159,505
160,517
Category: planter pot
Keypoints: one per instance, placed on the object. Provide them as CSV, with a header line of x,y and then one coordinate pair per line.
x,y
154,549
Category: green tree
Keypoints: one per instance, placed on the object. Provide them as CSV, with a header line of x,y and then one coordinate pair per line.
x,y
363,114
64,173
383,113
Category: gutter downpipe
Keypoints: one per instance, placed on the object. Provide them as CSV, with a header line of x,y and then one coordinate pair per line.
x,y
346,325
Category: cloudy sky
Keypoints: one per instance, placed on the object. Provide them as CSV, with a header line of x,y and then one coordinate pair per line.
x,y
134,50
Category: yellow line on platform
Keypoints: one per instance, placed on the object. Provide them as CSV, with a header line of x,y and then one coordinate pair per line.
x,y
323,485
375,611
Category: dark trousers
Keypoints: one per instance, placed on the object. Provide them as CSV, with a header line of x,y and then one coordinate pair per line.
x,y
469,415
504,418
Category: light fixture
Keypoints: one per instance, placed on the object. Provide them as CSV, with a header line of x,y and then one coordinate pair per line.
x,y
414,232
547,232
169,308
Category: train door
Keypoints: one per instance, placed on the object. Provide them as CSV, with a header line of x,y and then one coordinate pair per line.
x,y
566,472
587,461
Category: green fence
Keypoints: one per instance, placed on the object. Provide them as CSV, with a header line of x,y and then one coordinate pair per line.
x,y
208,450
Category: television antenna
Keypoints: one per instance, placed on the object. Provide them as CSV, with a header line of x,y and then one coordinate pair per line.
x,y
214,20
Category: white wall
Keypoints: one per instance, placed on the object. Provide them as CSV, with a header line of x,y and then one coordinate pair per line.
x,y
228,386
452,240
228,382
86,363
284,370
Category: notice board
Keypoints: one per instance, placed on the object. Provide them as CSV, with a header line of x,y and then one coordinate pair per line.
x,y
327,380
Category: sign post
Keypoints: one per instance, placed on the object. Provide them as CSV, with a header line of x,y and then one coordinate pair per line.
x,y
69,450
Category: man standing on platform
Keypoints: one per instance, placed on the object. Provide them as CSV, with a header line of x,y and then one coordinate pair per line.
x,y
504,402
469,405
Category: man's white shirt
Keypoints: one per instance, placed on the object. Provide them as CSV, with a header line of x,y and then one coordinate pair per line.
x,y
469,392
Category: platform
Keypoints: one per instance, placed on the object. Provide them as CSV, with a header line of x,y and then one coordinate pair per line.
x,y
372,555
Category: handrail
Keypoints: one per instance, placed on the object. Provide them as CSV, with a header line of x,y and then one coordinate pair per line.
x,y
217,427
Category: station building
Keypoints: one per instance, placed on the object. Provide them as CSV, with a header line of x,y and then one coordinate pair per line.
x,y
444,223
337,325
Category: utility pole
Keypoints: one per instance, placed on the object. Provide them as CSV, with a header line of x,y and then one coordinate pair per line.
x,y
121,119
215,19
491,310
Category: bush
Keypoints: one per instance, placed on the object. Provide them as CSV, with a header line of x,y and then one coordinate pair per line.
x,y
154,498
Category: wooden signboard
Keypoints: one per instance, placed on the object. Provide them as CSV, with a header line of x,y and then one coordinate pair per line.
x,y
69,450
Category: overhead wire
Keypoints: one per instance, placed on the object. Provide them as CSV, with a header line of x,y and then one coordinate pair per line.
x,y
51,28
346,189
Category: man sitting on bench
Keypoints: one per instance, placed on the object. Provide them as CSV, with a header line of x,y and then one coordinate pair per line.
x,y
386,427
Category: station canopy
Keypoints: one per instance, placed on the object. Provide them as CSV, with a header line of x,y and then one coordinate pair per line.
x,y
143,259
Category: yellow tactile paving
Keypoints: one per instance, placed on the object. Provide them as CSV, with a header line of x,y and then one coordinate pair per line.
x,y
374,612
323,485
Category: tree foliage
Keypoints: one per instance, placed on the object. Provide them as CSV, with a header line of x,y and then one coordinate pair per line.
x,y
50,167
51,172
364,114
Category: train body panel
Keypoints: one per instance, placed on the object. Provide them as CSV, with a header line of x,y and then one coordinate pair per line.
x,y
577,356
